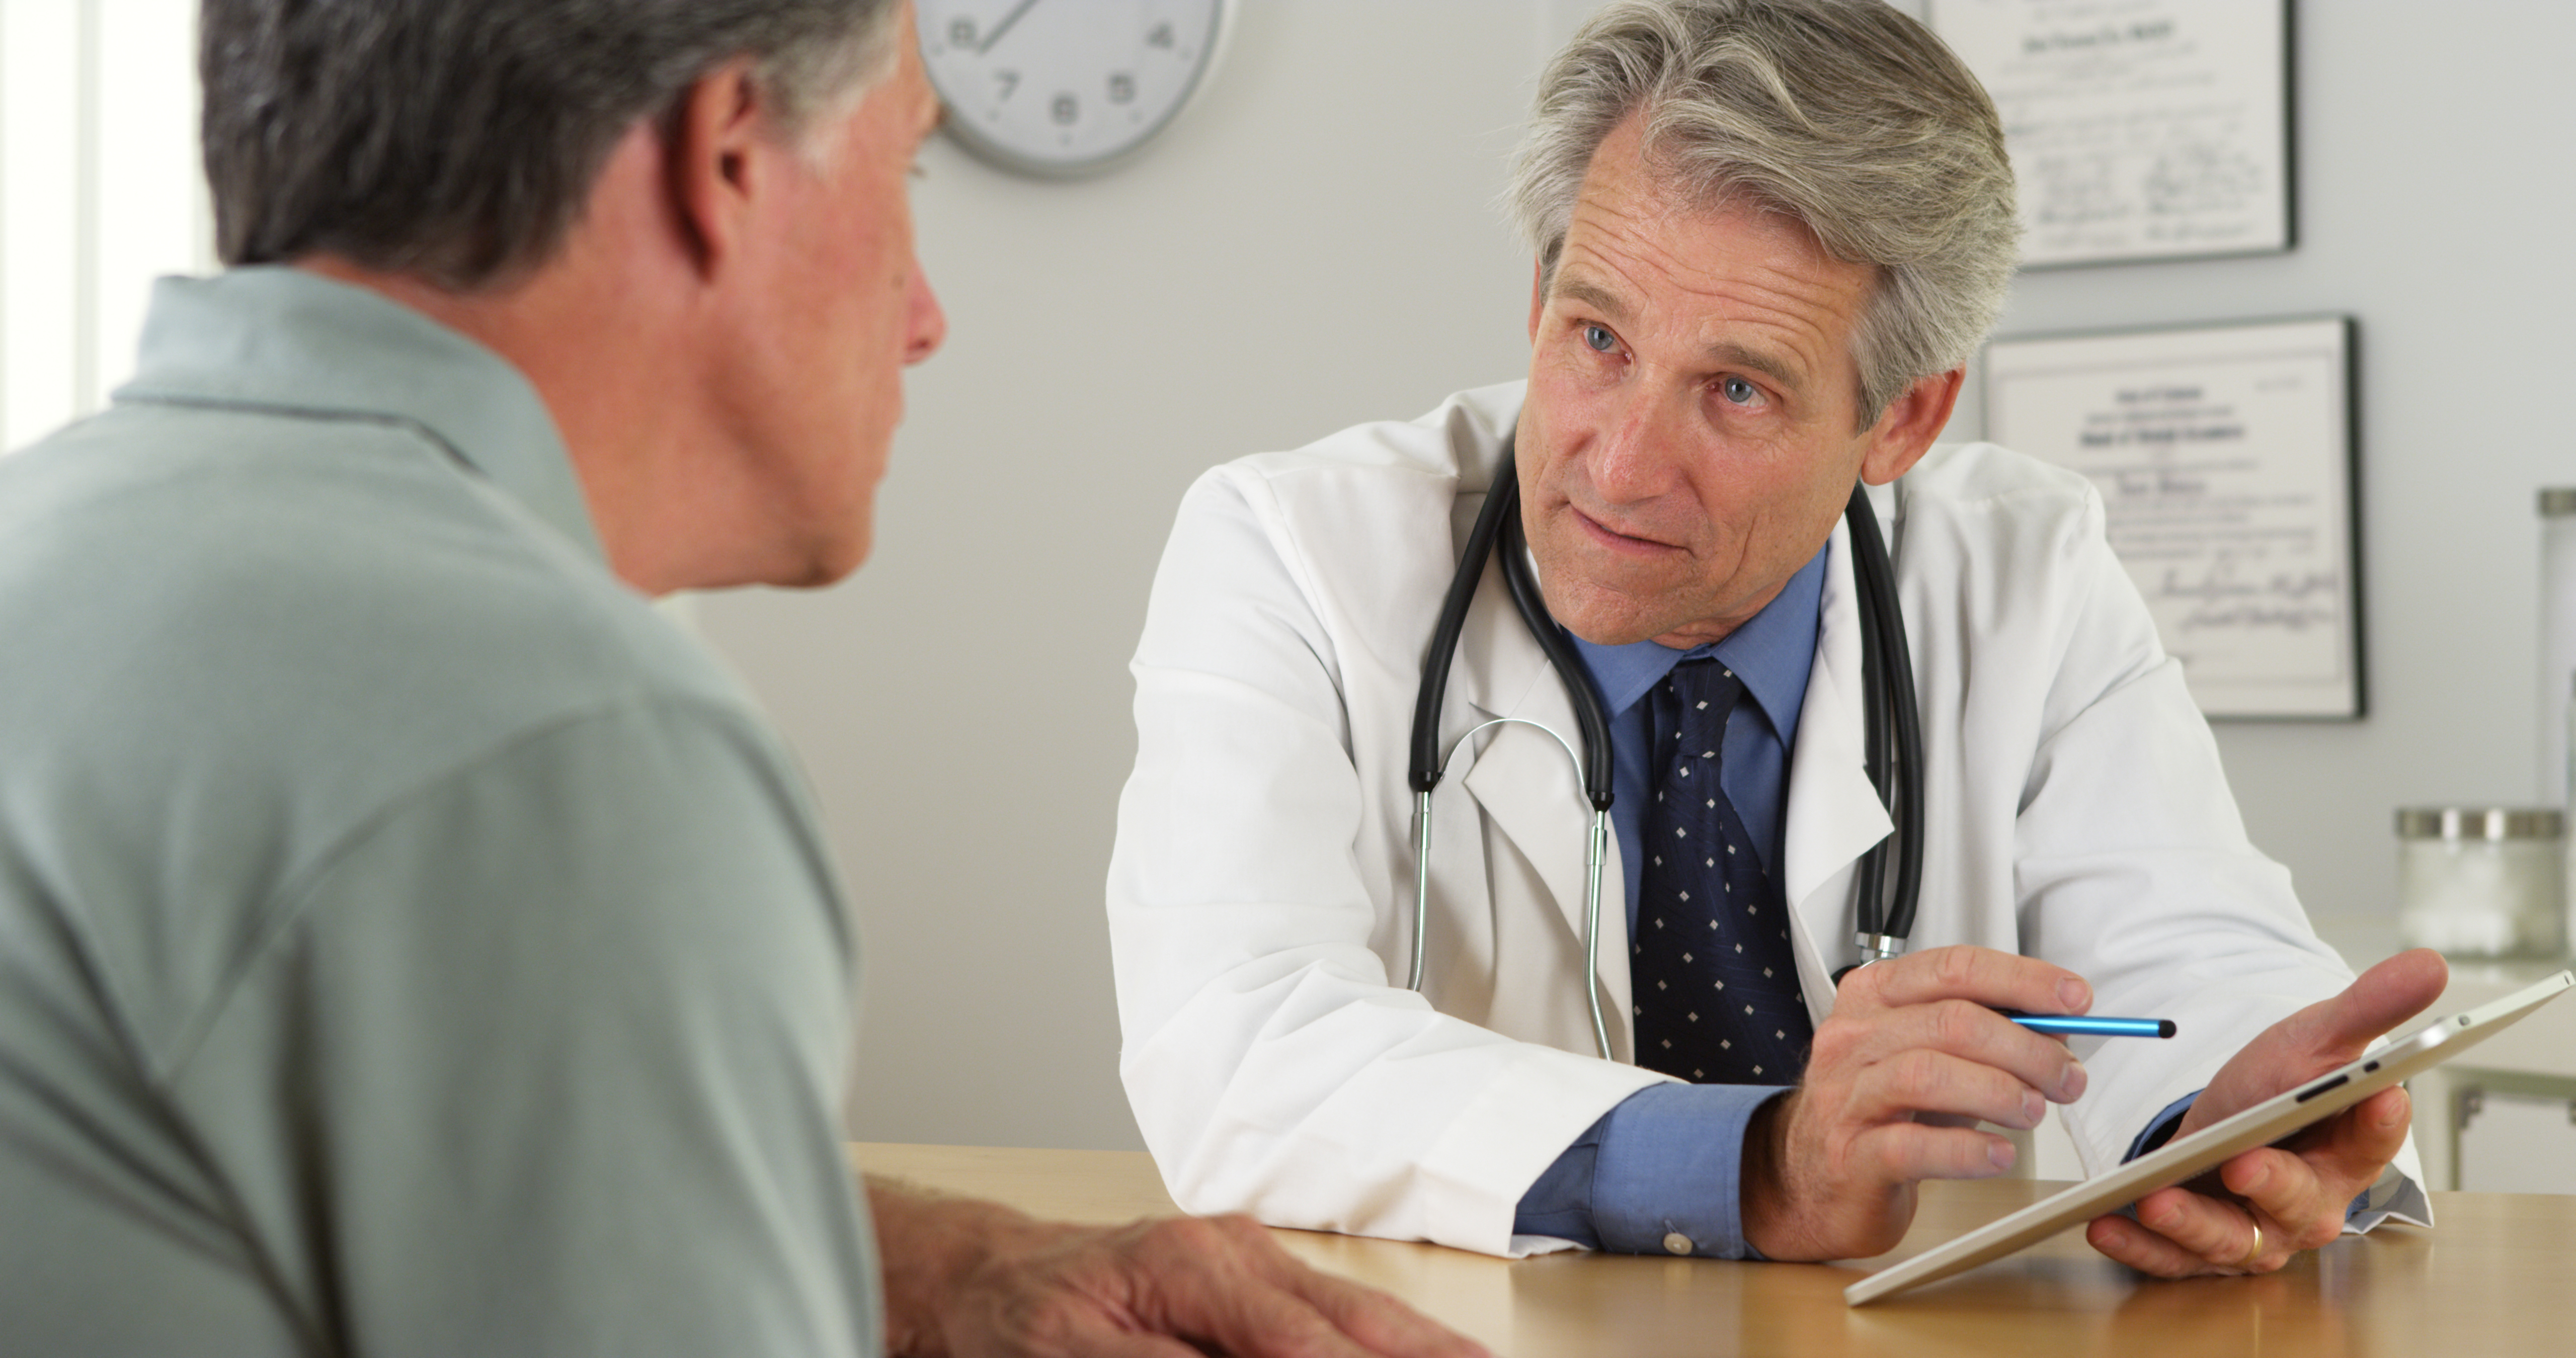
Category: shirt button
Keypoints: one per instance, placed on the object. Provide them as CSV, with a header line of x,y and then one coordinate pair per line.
x,y
1677,1243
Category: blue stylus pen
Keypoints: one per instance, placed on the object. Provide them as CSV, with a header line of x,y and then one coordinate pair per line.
x,y
2075,1025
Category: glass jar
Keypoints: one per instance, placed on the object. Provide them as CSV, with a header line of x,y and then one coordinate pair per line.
x,y
2482,882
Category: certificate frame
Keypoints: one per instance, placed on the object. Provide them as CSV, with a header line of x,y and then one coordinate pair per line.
x,y
2140,130
2227,457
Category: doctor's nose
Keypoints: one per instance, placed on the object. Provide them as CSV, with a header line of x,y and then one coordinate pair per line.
x,y
1633,454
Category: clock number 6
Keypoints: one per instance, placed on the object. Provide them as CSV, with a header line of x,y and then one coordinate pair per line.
x,y
1066,108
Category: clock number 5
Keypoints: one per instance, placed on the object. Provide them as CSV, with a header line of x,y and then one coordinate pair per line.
x,y
1122,88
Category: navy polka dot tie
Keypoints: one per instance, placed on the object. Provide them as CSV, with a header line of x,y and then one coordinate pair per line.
x,y
1716,987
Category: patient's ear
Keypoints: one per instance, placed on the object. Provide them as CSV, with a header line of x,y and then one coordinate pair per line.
x,y
714,149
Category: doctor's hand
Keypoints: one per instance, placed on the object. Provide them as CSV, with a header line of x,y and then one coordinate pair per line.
x,y
1914,1047
969,1279
2267,1204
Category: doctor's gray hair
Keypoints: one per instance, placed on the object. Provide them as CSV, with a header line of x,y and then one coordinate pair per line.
x,y
1843,114
458,139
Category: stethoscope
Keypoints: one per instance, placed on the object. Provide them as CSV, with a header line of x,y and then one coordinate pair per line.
x,y
1882,917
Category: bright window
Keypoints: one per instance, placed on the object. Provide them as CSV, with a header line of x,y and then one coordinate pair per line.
x,y
100,193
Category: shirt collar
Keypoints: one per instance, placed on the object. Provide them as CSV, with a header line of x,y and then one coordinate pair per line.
x,y
1771,653
288,340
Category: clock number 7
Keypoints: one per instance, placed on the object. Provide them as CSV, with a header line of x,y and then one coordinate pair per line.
x,y
1010,81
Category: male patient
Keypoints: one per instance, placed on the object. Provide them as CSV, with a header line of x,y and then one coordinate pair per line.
x,y
408,942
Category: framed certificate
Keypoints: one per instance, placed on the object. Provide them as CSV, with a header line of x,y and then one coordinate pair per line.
x,y
2139,129
2225,458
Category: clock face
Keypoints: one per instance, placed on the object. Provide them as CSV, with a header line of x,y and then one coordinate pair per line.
x,y
1066,87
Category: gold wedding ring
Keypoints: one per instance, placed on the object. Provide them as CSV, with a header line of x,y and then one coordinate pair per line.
x,y
2256,1252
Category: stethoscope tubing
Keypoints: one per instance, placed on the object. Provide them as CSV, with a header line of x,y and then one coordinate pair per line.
x,y
1498,523
1597,853
1882,919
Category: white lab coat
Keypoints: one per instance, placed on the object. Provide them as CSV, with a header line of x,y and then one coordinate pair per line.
x,y
1260,895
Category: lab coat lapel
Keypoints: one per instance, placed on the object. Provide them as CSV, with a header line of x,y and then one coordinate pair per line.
x,y
1527,786
1834,814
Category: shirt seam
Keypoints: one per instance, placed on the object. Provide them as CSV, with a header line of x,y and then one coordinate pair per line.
x,y
286,907
1274,521
286,911
287,410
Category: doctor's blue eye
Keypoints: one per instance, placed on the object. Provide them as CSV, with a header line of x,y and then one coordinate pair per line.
x,y
1738,390
1600,338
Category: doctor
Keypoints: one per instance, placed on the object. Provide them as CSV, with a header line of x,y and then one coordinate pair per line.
x,y
1769,233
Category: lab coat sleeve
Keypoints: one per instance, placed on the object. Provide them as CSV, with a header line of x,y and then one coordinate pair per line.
x,y
1272,1064
2132,867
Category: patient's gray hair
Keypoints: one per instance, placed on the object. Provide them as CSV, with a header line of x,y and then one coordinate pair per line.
x,y
458,139
1844,114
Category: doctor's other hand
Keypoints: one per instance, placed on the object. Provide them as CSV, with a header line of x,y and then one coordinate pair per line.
x,y
970,1279
2298,1191
1830,1168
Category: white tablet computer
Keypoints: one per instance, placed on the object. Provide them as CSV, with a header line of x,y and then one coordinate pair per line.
x,y
2185,1157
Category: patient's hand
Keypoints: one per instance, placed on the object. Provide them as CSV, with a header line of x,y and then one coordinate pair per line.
x,y
968,1279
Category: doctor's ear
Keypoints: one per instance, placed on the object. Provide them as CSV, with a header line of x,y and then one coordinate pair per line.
x,y
1905,430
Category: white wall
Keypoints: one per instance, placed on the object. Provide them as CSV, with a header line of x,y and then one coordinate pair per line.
x,y
1316,244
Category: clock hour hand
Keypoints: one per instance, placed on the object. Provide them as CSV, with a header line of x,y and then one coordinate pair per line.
x,y
1004,26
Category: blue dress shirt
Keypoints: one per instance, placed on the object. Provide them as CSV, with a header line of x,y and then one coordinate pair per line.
x,y
1661,1168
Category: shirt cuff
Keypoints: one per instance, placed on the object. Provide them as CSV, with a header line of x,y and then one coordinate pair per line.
x,y
1661,1173
2395,1195
2160,1128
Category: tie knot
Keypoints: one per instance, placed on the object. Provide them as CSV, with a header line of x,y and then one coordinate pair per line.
x,y
1703,693
1705,685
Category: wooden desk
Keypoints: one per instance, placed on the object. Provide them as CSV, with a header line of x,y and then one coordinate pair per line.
x,y
2499,1277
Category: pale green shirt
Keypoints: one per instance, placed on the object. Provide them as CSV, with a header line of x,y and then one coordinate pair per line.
x,y
409,942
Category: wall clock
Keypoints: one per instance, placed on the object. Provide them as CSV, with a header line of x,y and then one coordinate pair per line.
x,y
1064,88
